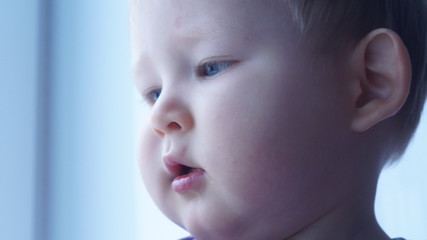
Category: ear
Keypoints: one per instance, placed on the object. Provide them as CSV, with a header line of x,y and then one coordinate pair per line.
x,y
383,78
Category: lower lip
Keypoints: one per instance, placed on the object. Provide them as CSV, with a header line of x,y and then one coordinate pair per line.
x,y
188,181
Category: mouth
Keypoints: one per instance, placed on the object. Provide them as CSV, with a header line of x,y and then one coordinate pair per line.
x,y
185,170
188,180
184,177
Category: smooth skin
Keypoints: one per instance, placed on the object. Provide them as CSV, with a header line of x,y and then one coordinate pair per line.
x,y
286,138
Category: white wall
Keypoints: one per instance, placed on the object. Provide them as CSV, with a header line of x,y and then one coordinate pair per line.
x,y
18,80
92,161
73,179
401,204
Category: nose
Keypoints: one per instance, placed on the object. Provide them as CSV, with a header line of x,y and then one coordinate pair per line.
x,y
170,114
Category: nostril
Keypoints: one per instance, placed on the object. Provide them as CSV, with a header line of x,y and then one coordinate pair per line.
x,y
158,132
174,126
171,127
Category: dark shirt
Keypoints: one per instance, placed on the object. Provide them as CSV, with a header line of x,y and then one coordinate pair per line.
x,y
191,238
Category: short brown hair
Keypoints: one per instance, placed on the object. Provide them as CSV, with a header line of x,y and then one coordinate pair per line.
x,y
332,21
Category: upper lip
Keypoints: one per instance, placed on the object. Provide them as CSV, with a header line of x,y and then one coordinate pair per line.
x,y
176,165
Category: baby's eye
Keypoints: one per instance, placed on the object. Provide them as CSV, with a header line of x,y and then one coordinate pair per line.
x,y
210,69
154,95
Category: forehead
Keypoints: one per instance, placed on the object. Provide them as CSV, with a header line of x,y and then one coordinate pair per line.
x,y
180,10
194,20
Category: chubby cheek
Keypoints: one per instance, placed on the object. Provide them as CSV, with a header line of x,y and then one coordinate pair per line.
x,y
250,183
148,156
246,163
267,150
250,174
152,172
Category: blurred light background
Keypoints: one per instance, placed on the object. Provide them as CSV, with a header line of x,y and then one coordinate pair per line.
x,y
68,124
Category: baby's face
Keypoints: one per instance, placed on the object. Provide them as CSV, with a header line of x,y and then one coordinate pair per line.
x,y
246,132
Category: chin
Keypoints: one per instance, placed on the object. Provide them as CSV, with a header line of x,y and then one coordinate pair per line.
x,y
210,228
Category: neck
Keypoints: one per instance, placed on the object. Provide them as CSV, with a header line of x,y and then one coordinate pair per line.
x,y
350,221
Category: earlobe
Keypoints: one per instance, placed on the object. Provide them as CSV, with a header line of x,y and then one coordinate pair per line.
x,y
384,77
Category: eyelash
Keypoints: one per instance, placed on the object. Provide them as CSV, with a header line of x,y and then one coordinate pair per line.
x,y
202,70
215,66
